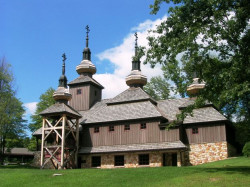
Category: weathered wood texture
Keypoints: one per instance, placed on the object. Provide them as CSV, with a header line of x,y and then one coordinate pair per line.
x,y
207,134
120,136
95,95
80,101
89,95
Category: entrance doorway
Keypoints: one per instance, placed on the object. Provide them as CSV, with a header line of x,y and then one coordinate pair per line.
x,y
174,159
169,159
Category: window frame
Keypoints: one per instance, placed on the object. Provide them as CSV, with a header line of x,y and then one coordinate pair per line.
x,y
127,127
111,128
143,159
96,163
119,163
78,91
96,129
143,126
195,130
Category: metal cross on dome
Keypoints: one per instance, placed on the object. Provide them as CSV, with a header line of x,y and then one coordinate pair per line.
x,y
63,67
87,29
136,38
64,57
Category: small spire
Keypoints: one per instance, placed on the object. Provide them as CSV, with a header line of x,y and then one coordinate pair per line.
x,y
136,61
86,52
87,36
136,46
63,78
63,66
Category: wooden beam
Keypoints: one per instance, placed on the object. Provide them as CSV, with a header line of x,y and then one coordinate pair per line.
x,y
63,141
77,142
42,151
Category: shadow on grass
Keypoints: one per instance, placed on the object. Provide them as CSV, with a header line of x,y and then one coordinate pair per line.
x,y
244,170
17,167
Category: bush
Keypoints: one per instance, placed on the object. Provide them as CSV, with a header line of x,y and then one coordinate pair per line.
x,y
246,149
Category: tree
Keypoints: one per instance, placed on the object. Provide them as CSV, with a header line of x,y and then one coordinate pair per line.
x,y
12,124
158,88
212,37
46,100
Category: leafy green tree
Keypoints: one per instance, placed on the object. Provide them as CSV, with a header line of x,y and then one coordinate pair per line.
x,y
212,38
46,100
158,88
12,124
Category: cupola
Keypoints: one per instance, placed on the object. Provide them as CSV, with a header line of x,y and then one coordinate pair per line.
x,y
135,78
86,67
62,94
196,86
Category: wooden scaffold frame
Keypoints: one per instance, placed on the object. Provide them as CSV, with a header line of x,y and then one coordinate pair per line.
x,y
61,154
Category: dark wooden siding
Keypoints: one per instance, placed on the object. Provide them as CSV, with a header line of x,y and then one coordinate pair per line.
x,y
133,136
207,134
80,101
95,95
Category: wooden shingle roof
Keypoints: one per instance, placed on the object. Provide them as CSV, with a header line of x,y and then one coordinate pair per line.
x,y
131,95
60,108
85,79
133,147
119,112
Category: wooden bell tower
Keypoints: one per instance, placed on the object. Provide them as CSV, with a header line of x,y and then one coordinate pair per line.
x,y
60,130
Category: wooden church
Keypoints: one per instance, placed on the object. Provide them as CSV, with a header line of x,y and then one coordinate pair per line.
x,y
82,130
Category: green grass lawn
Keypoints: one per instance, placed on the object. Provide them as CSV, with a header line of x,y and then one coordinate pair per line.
x,y
232,172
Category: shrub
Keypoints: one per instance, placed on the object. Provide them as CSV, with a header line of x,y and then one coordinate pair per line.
x,y
246,149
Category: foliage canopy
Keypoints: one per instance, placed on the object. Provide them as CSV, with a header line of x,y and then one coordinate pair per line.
x,y
12,124
212,38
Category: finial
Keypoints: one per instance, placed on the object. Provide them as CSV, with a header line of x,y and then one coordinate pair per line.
x,y
87,35
64,59
136,46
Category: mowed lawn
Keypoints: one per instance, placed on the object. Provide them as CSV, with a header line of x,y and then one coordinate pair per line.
x,y
231,172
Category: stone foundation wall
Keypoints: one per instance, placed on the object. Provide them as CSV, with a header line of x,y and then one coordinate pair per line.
x,y
37,159
206,152
130,160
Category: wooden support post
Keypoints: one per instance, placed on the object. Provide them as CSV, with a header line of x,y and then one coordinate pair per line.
x,y
77,142
42,146
63,141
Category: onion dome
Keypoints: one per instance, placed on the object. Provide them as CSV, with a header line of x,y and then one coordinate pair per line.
x,y
135,78
62,93
86,66
196,86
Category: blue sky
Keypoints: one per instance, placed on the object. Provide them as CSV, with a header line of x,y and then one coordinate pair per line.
x,y
35,33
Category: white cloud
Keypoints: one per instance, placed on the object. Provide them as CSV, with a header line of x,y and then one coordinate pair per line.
x,y
121,57
30,108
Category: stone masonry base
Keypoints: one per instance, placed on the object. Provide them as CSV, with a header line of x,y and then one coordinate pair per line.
x,y
131,160
207,152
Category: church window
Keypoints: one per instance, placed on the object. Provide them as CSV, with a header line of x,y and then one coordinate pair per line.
x,y
195,130
96,161
127,127
144,159
143,126
96,129
119,160
79,91
111,128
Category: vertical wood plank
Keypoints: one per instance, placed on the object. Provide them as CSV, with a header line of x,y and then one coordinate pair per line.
x,y
63,141
42,146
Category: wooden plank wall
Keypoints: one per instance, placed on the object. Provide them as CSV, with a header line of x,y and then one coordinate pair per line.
x,y
135,135
81,101
94,98
207,134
